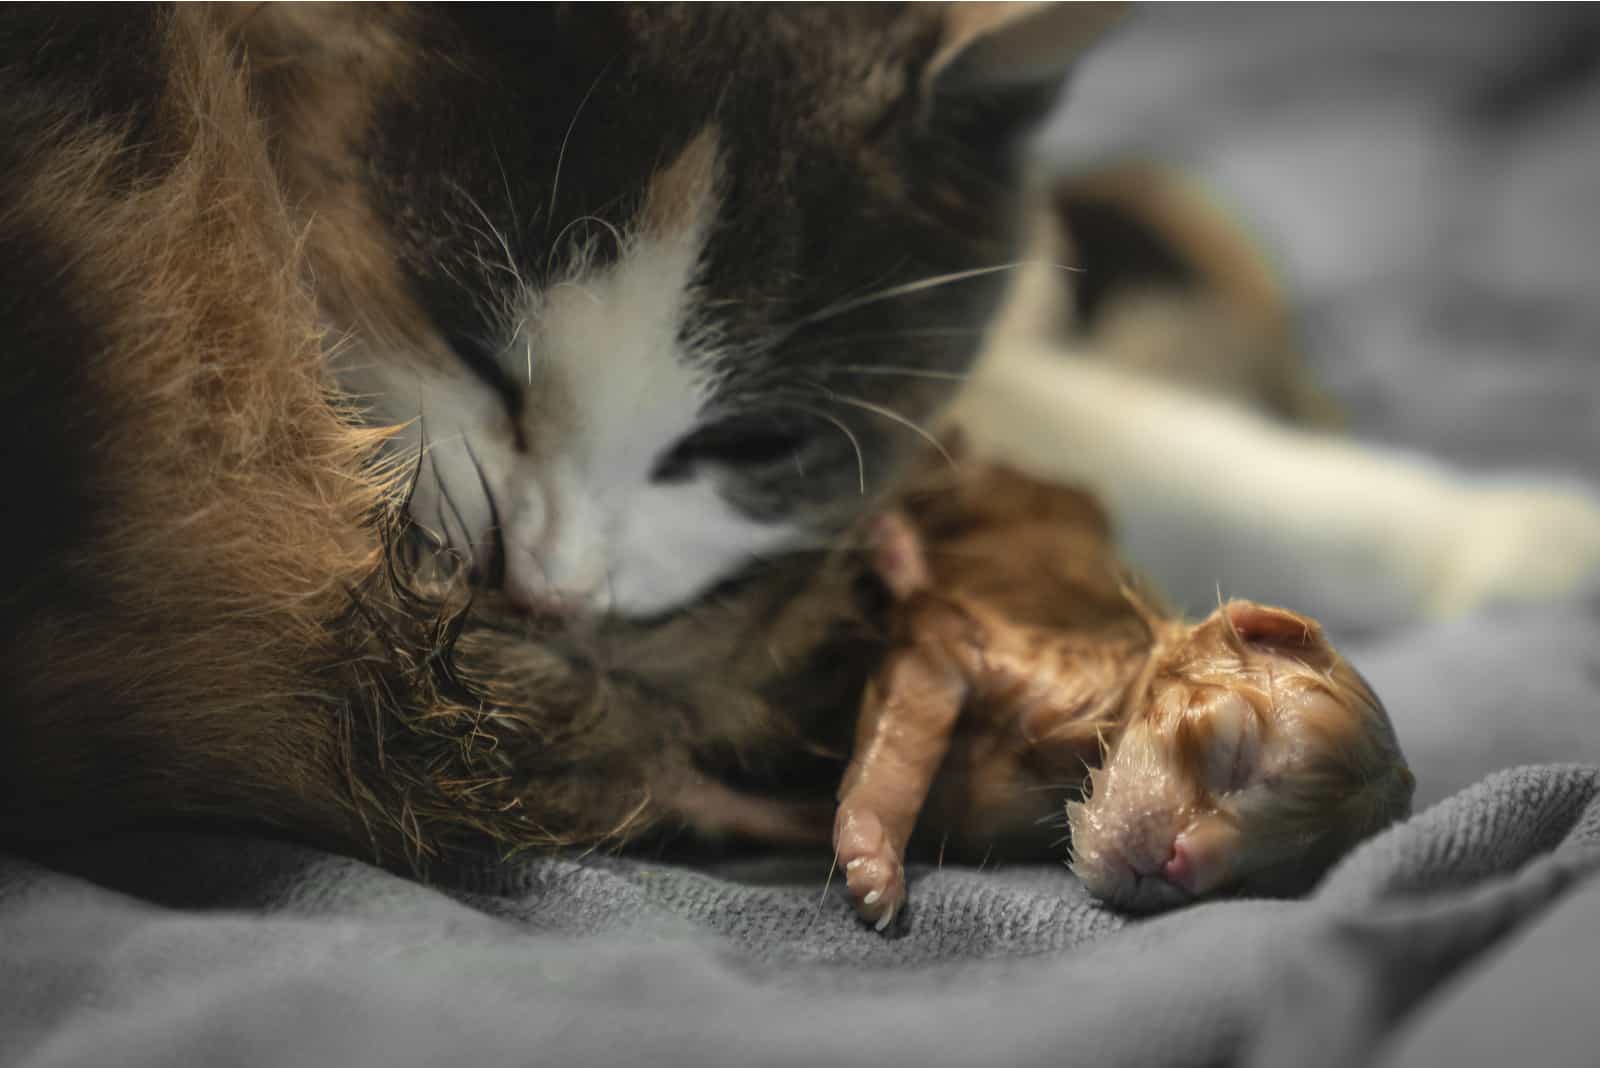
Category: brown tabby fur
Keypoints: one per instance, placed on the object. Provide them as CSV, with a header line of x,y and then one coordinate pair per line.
x,y
237,536
308,681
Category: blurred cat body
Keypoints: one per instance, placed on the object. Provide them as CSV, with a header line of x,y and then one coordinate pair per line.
x,y
1165,379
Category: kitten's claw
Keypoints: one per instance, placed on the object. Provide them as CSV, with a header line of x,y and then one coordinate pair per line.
x,y
872,867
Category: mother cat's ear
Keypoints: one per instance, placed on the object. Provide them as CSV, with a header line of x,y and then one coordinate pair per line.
x,y
1013,46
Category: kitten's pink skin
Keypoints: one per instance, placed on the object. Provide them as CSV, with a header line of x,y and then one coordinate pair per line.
x,y
897,555
1179,869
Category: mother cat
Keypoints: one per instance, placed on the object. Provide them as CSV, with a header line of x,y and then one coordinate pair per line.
x,y
358,362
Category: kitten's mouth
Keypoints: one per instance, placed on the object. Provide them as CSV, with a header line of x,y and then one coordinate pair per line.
x,y
1131,882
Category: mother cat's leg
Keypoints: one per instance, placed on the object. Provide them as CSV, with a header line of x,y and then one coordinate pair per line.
x,y
1211,493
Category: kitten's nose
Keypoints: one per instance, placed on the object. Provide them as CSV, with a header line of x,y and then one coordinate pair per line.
x,y
1179,869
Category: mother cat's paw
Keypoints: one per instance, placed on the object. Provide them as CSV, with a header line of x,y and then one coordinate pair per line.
x,y
1521,543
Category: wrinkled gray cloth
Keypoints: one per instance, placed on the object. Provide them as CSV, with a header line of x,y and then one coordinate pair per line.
x,y
1428,184
237,952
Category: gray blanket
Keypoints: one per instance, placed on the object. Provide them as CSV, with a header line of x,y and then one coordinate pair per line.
x,y
1423,177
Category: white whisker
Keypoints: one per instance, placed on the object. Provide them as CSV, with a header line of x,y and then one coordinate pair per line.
x,y
891,414
774,402
904,289
840,340
561,156
494,236
555,242
505,183
855,443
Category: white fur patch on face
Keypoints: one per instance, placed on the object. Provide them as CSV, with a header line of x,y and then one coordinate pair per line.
x,y
635,550
614,377
621,381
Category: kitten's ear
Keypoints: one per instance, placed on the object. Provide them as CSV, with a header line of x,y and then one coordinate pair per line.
x,y
1264,625
1004,46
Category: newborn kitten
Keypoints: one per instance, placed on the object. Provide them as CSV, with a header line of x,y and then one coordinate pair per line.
x,y
1238,753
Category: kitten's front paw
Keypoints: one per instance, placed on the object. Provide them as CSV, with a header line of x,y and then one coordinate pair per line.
x,y
1518,544
872,866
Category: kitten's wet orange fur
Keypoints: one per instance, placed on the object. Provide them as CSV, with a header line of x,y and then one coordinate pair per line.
x,y
1241,752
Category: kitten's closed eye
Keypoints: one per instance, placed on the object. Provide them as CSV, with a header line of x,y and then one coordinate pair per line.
x,y
740,441
1235,745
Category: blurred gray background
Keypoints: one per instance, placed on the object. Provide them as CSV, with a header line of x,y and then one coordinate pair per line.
x,y
1426,176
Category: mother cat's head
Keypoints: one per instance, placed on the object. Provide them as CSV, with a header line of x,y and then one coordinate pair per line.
x,y
662,289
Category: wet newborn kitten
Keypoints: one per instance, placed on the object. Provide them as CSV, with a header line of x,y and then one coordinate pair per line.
x,y
1241,752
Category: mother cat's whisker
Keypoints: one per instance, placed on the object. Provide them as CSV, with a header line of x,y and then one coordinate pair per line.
x,y
891,414
561,154
467,554
527,342
490,265
555,242
497,560
904,289
505,183
898,372
495,236
841,340
754,401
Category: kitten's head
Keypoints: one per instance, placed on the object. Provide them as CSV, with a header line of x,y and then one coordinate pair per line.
x,y
1257,757
672,287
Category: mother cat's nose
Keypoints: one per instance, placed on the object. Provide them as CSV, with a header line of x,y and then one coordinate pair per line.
x,y
538,591
555,558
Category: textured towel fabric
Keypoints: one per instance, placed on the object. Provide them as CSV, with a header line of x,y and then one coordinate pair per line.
x,y
1425,178
216,951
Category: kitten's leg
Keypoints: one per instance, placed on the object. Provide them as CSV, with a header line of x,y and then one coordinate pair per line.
x,y
907,724
907,717
1207,493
